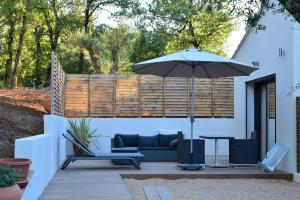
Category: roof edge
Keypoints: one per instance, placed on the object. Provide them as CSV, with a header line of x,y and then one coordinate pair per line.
x,y
248,31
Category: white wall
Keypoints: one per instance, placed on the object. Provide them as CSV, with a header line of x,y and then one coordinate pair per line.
x,y
37,148
263,46
149,126
296,56
55,125
46,151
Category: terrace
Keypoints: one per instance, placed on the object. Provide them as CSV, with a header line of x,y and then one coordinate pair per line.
x,y
103,180
131,104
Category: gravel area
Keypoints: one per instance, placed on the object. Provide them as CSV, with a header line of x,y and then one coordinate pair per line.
x,y
219,189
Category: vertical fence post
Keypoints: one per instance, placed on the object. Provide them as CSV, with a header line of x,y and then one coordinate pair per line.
x,y
115,95
89,96
139,96
188,97
213,97
52,83
164,96
63,93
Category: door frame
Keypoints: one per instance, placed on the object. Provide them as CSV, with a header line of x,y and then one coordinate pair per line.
x,y
258,83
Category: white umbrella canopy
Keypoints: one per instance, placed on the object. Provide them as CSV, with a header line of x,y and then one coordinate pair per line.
x,y
181,64
193,63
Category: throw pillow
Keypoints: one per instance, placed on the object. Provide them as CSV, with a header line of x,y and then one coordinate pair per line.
x,y
118,141
130,140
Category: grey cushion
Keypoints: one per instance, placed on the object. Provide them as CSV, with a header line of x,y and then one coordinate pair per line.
x,y
129,140
118,141
148,141
125,150
173,143
154,148
164,140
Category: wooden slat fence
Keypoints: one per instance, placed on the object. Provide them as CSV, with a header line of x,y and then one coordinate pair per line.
x,y
145,96
57,87
298,133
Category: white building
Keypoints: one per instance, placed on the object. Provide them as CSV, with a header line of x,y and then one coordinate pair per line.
x,y
276,51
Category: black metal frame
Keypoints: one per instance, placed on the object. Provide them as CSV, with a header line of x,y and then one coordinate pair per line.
x,y
92,156
257,108
74,158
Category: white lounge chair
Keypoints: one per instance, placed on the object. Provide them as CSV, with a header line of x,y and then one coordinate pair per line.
x,y
274,156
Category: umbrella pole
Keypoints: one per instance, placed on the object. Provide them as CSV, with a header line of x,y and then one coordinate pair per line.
x,y
192,117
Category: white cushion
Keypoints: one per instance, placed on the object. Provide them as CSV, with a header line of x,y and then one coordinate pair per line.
x,y
167,131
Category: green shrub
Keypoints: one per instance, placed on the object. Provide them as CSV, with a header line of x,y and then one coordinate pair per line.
x,y
83,132
9,176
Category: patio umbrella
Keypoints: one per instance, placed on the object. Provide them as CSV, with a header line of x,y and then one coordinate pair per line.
x,y
193,63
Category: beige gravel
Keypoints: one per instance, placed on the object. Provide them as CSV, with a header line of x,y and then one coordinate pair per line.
x,y
219,189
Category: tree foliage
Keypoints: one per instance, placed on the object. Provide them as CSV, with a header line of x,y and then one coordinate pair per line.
x,y
31,29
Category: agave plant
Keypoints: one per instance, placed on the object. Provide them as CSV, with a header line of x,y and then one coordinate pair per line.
x,y
83,132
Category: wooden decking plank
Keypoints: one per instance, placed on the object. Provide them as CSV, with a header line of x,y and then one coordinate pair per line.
x,y
151,193
86,184
102,180
157,193
164,193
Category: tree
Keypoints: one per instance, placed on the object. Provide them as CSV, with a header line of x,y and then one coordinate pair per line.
x,y
38,33
124,8
148,45
198,24
31,29
87,41
116,40
59,16
8,10
254,10
27,4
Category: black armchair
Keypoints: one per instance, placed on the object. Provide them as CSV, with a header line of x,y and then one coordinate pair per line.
x,y
183,150
243,151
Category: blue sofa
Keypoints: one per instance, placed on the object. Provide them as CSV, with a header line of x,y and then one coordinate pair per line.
x,y
156,148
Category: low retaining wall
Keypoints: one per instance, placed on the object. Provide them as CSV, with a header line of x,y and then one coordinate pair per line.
x,y
38,149
46,151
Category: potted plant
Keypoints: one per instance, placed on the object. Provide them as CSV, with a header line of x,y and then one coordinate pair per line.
x,y
20,164
84,133
9,189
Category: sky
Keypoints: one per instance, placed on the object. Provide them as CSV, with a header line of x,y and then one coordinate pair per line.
x,y
229,47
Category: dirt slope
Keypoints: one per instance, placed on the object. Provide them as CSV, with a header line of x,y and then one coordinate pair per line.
x,y
21,115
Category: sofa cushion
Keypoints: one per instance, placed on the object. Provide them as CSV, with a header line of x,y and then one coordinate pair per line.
x,y
164,140
129,140
154,148
118,141
148,141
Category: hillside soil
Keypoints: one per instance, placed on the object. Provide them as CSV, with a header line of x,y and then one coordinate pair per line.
x,y
21,115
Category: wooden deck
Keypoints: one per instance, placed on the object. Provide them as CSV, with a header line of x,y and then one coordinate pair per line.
x,y
102,180
86,184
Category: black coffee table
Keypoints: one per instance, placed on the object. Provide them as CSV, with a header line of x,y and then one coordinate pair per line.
x,y
124,150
